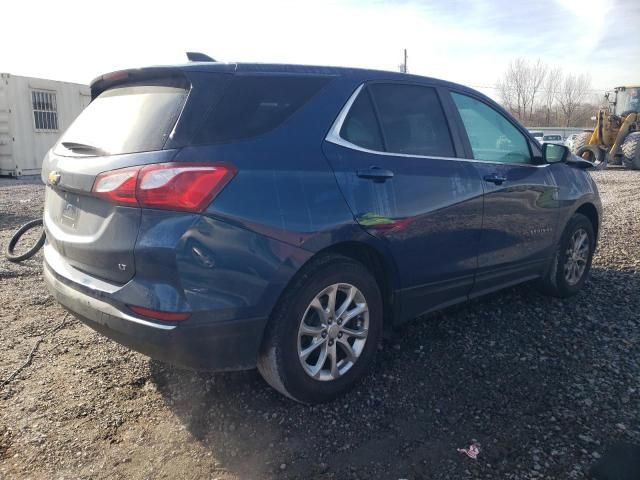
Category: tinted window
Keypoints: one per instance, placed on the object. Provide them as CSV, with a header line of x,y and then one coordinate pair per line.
x,y
361,126
492,136
126,119
256,104
412,120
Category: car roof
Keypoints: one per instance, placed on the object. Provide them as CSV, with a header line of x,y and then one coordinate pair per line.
x,y
361,74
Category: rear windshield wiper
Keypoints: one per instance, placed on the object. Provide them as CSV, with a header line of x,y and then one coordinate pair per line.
x,y
84,148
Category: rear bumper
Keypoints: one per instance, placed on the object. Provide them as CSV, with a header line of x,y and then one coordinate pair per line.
x,y
224,345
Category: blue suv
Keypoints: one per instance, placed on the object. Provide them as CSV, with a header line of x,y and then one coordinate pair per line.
x,y
227,216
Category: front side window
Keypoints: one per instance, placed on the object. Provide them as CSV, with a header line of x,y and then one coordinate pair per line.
x,y
412,120
492,137
45,110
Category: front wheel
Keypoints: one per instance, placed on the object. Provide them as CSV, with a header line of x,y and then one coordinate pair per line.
x,y
579,141
570,266
631,151
323,334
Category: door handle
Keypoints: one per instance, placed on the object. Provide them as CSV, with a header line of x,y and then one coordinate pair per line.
x,y
495,178
376,174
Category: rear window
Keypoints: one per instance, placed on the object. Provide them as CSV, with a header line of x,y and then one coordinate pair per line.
x,y
256,104
126,119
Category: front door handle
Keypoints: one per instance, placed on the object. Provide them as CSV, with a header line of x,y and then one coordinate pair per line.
x,y
495,178
376,174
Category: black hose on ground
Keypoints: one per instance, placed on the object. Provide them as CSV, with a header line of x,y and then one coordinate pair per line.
x,y
10,250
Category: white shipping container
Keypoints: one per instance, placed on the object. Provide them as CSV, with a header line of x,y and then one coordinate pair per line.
x,y
33,114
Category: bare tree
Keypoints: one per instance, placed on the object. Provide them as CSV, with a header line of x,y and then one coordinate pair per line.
x,y
537,93
513,87
551,86
520,86
572,92
537,74
507,95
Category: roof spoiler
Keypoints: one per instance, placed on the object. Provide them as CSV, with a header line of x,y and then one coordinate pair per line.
x,y
109,80
199,57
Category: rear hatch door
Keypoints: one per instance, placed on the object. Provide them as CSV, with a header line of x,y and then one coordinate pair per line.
x,y
126,125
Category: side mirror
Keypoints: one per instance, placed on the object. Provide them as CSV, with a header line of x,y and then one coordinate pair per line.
x,y
554,153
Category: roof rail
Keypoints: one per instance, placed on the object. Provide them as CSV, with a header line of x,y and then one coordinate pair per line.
x,y
199,57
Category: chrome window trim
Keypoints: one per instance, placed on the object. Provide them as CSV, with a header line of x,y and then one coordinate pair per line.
x,y
334,137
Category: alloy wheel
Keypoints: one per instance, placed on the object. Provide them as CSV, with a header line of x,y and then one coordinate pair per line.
x,y
576,257
333,332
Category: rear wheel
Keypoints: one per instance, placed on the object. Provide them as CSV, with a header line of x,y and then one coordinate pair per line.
x,y
324,332
631,151
570,266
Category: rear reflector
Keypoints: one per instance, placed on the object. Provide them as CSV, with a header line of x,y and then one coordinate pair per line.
x,y
172,186
158,315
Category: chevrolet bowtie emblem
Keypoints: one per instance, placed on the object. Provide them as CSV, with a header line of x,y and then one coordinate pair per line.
x,y
54,178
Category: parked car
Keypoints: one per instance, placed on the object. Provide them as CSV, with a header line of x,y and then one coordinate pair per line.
x,y
557,139
228,216
537,135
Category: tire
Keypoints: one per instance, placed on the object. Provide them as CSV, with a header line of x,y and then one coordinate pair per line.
x,y
631,151
10,250
556,280
280,361
579,141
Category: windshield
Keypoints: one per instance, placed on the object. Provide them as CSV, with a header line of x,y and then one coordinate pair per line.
x,y
125,119
627,101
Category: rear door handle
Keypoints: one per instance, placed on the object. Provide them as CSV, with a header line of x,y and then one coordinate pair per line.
x,y
376,174
495,178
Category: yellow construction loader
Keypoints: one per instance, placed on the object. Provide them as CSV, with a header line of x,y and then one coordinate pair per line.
x,y
616,138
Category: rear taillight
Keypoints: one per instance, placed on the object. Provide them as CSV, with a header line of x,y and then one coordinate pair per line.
x,y
171,186
118,186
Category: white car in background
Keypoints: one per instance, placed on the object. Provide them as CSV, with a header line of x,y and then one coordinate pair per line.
x,y
557,139
537,135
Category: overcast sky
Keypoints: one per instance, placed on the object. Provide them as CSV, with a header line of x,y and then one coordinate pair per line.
x,y
469,42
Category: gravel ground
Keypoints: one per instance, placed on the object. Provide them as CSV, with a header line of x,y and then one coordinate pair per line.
x,y
543,385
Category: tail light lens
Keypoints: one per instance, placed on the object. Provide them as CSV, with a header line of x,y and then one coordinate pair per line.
x,y
118,186
172,186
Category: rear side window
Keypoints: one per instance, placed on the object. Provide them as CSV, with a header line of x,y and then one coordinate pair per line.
x,y
256,104
360,127
412,120
126,119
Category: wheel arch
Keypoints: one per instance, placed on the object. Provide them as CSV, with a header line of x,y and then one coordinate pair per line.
x,y
373,259
380,267
590,211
